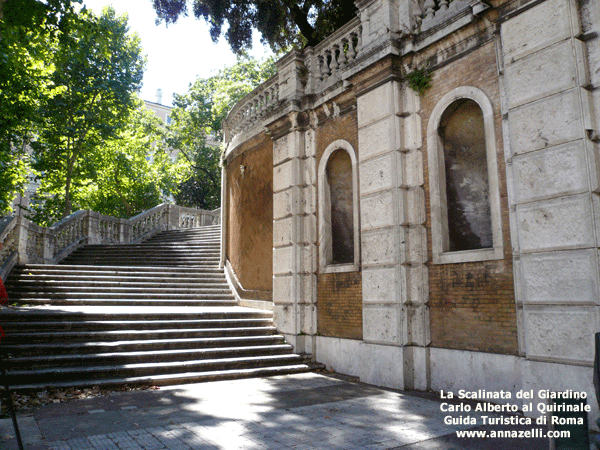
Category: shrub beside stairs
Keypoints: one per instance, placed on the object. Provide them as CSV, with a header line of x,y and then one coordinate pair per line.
x,y
156,313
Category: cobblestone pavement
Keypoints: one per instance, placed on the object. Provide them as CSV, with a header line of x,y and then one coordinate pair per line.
x,y
298,412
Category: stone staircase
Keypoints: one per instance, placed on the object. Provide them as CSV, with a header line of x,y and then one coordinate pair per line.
x,y
159,312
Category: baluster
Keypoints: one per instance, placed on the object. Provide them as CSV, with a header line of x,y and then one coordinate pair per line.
x,y
351,51
443,6
418,13
342,59
334,62
429,9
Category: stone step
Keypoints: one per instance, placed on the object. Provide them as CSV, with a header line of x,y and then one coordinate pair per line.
x,y
76,277
29,362
144,262
85,313
118,290
117,269
94,325
170,379
122,302
22,282
157,312
119,335
108,271
96,347
149,369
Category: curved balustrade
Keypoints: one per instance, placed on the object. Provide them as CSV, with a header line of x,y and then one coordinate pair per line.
x,y
254,106
337,52
24,242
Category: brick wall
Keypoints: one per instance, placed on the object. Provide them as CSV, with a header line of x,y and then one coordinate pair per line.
x,y
339,295
339,305
472,305
250,220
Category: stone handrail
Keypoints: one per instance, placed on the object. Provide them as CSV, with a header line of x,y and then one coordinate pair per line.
x,y
334,54
25,242
254,106
431,13
315,73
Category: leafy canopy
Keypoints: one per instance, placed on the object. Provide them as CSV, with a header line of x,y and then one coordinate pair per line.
x,y
281,23
198,116
98,67
29,34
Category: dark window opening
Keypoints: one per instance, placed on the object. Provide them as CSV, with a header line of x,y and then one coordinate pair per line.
x,y
467,188
339,178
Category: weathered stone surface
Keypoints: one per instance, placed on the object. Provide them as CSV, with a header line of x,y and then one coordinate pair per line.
x,y
379,210
378,174
282,232
283,261
542,376
340,355
382,365
284,203
539,27
560,277
560,170
550,225
375,105
551,121
376,139
282,149
540,74
382,324
384,246
284,317
381,285
285,175
561,333
282,289
452,370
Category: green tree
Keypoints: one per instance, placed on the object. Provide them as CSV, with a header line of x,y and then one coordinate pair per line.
x,y
98,67
132,172
198,115
29,33
281,23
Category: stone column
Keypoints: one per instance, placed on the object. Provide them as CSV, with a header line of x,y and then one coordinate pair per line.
x,y
394,242
552,168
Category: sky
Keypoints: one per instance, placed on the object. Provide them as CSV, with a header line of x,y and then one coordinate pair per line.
x,y
176,54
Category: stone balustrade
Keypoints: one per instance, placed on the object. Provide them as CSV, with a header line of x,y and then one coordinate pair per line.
x,y
254,106
333,55
24,242
317,70
431,13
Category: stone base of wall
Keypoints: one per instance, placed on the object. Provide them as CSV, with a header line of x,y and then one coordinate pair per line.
x,y
380,365
453,370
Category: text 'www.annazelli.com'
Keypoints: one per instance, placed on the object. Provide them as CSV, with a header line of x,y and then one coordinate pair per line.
x,y
514,434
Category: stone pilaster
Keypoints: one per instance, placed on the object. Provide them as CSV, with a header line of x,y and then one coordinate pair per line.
x,y
394,243
552,168
294,240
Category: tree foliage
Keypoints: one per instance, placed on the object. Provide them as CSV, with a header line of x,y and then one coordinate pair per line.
x,y
132,172
198,115
98,68
29,34
281,23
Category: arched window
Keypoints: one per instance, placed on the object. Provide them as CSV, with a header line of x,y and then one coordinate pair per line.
x,y
463,174
338,209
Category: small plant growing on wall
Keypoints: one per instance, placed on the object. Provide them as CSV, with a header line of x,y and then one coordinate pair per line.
x,y
419,80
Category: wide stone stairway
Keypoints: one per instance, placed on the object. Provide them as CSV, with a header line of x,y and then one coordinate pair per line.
x,y
158,312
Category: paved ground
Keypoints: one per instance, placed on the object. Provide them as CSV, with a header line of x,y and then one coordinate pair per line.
x,y
298,412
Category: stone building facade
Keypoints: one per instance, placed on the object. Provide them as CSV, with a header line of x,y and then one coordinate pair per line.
x,y
443,239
